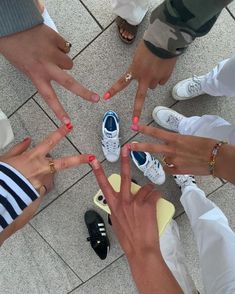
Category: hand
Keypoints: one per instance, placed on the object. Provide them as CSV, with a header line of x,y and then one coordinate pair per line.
x,y
34,165
149,70
40,53
133,217
188,154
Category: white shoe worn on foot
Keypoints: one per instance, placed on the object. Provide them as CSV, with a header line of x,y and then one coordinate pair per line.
x,y
110,132
167,118
185,180
150,166
188,89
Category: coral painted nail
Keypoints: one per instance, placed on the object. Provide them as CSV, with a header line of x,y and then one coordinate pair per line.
x,y
135,120
91,158
106,96
69,126
135,128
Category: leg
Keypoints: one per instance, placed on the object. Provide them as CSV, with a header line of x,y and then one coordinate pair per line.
x,y
220,80
133,11
173,254
215,241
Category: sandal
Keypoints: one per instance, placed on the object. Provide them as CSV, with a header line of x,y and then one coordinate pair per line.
x,y
123,24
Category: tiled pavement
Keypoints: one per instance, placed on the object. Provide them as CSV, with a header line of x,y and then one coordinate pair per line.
x,y
51,255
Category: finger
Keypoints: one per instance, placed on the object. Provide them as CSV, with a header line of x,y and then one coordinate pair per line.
x,y
144,192
46,91
157,133
63,61
118,86
63,44
70,161
103,182
51,141
153,84
18,148
151,148
139,99
125,174
69,83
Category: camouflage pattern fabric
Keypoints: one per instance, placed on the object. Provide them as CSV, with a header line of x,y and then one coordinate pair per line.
x,y
176,23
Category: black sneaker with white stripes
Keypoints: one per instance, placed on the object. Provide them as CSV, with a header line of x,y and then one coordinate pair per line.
x,y
97,233
185,180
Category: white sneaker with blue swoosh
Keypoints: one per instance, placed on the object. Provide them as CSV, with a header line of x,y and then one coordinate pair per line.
x,y
110,132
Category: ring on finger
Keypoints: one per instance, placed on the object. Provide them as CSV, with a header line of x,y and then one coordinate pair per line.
x,y
68,45
128,77
166,163
52,166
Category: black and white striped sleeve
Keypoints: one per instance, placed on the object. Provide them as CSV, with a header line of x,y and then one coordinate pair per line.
x,y
16,193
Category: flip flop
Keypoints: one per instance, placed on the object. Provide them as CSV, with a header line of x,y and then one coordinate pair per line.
x,y
123,24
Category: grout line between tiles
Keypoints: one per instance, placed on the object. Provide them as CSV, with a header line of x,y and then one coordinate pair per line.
x,y
84,5
230,12
55,252
108,265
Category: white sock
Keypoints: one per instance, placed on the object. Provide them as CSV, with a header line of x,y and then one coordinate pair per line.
x,y
48,20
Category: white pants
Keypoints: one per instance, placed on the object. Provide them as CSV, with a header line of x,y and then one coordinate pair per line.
x,y
6,133
220,81
215,242
133,11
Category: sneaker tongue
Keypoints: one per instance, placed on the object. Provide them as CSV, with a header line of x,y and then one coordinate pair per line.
x,y
109,134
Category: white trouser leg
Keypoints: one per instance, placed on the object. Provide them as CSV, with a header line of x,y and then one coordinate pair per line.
x,y
6,133
215,241
173,254
210,126
220,80
133,11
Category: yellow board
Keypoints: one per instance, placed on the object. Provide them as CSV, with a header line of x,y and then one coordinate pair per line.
x,y
165,209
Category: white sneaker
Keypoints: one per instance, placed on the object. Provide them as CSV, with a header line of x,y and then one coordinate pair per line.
x,y
167,118
188,88
110,132
151,167
185,180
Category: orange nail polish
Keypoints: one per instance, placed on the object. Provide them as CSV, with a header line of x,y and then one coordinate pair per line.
x,y
26,139
106,96
135,120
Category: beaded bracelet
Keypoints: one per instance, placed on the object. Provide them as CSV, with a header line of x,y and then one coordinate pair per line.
x,y
214,153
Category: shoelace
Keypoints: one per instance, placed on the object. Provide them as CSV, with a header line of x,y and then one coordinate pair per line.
x,y
184,179
95,237
111,144
194,87
151,171
174,121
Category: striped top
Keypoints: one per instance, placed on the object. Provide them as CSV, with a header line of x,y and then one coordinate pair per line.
x,y
16,193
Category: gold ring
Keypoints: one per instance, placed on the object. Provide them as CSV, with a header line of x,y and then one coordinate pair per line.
x,y
68,45
167,164
52,166
128,77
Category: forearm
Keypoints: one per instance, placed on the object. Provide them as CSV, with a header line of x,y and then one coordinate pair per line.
x,y
152,275
17,16
225,163
176,23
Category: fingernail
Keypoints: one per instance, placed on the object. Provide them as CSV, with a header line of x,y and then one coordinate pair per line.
x,y
69,126
135,120
26,139
128,146
135,128
95,98
66,120
106,96
95,164
91,157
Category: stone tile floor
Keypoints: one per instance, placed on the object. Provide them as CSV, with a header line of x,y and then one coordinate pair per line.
x,y
51,255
